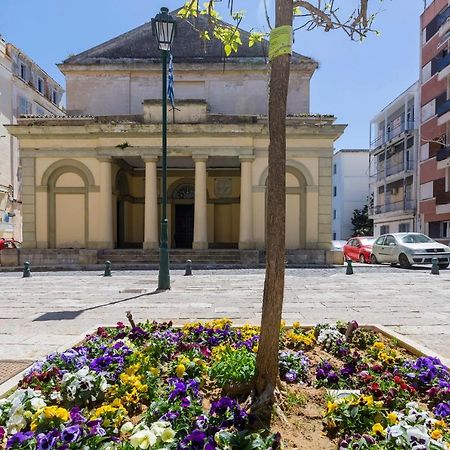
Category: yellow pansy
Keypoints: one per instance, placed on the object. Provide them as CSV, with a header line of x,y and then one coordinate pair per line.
x,y
180,370
378,345
436,434
392,418
331,406
368,399
440,424
155,371
378,428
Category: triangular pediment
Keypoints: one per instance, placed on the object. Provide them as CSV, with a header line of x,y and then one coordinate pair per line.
x,y
139,46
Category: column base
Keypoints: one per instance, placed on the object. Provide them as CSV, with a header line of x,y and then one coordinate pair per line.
x,y
246,245
200,245
150,245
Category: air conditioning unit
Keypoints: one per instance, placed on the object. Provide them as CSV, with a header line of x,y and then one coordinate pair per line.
x,y
394,191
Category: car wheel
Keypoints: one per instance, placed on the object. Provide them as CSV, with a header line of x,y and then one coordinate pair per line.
x,y
443,265
403,261
362,259
373,259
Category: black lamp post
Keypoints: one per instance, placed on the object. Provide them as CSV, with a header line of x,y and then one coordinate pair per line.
x,y
163,27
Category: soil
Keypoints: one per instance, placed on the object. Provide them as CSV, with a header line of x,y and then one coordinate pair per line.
x,y
304,428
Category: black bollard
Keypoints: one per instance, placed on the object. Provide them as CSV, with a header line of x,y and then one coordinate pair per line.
x,y
188,270
26,270
349,270
435,266
107,269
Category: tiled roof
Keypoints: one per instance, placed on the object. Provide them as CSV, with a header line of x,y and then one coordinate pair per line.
x,y
140,46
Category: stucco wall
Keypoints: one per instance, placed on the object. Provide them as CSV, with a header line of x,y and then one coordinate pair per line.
x,y
105,91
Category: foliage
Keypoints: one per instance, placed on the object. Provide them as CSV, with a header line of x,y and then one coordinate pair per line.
x,y
175,403
233,366
362,225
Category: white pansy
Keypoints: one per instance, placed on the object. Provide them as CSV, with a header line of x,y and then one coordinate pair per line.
x,y
167,435
143,439
37,403
126,427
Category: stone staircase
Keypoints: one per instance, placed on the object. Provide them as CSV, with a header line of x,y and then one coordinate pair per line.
x,y
134,258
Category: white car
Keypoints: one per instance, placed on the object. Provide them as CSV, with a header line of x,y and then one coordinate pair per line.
x,y
407,249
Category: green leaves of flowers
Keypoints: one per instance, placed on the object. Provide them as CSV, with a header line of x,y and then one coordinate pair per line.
x,y
234,366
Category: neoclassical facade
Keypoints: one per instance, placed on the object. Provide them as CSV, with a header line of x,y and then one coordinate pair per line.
x,y
92,179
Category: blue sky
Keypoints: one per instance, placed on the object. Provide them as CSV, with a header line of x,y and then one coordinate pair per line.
x,y
355,80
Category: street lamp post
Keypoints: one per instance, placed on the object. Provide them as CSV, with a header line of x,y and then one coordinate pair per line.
x,y
163,27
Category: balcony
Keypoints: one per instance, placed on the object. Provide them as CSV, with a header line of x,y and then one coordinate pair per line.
x,y
443,108
442,18
442,63
392,169
404,205
443,153
391,133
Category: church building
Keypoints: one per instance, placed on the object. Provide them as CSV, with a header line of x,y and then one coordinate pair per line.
x,y
92,179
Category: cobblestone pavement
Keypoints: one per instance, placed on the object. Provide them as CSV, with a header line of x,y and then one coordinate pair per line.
x,y
48,311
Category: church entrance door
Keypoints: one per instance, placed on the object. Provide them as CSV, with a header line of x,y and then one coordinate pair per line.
x,y
184,225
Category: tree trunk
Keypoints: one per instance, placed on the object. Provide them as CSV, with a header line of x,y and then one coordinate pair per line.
x,y
267,359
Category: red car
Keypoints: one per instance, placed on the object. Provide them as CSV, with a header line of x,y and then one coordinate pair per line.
x,y
9,243
359,249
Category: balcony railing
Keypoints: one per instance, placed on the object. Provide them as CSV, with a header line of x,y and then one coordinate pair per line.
x,y
393,169
444,16
443,153
392,133
442,63
443,108
404,205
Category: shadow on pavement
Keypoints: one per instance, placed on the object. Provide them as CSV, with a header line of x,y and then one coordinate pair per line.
x,y
71,315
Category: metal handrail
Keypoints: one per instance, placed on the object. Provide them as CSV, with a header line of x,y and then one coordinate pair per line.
x,y
391,134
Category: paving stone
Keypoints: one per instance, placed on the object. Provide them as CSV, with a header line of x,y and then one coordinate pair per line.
x,y
43,313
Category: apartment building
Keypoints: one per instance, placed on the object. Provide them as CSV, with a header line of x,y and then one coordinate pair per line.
x,y
24,89
434,207
393,160
350,188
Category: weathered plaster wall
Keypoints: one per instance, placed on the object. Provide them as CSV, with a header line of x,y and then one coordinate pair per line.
x,y
109,91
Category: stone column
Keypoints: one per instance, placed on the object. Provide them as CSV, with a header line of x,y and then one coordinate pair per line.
x,y
246,206
105,231
200,206
151,223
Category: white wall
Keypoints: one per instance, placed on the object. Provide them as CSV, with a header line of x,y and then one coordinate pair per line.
x,y
352,189
105,91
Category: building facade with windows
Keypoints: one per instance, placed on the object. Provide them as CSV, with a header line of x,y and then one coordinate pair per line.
x,y
394,148
94,176
434,171
24,89
350,188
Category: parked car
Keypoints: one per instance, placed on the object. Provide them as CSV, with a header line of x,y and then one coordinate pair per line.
x,y
338,245
9,243
359,249
407,249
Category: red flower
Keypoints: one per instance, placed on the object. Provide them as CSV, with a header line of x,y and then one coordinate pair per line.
x,y
398,380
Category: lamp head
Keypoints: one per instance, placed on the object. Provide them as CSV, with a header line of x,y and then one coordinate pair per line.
x,y
164,28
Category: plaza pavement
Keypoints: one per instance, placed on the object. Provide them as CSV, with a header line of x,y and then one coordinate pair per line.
x,y
49,311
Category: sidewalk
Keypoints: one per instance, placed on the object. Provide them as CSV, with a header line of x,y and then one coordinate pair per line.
x,y
41,314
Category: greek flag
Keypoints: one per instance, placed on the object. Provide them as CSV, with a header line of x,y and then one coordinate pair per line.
x,y
170,91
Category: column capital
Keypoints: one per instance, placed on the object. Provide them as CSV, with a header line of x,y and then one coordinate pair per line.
x,y
150,158
200,157
246,158
105,158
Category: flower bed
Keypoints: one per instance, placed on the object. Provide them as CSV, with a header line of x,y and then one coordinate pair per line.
x,y
161,387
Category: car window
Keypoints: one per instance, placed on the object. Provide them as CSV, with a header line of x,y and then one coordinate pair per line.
x,y
18,244
367,241
380,240
415,239
390,240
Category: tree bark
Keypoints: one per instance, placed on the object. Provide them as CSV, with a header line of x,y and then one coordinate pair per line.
x,y
267,359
